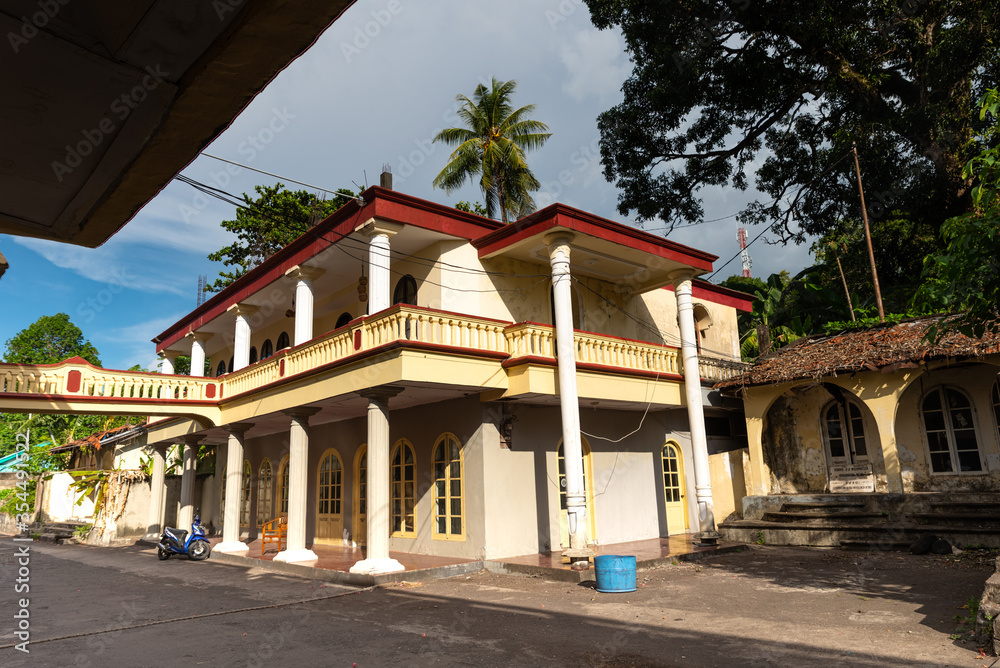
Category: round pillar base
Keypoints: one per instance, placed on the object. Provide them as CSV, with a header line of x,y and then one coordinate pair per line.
x,y
231,547
295,556
377,566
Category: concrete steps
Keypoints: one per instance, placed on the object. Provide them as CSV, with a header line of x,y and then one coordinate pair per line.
x,y
867,521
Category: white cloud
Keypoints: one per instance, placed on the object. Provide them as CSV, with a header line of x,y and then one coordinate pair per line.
x,y
596,64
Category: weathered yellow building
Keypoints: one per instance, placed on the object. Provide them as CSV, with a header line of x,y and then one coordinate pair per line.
x,y
874,423
393,378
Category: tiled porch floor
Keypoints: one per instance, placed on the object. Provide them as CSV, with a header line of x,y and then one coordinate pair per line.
x,y
648,552
339,558
678,546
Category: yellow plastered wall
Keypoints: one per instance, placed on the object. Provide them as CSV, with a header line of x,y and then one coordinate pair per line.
x,y
728,483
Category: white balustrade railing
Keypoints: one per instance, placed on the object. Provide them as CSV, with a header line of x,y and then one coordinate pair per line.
x,y
80,379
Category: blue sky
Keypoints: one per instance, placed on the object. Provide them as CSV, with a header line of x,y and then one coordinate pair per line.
x,y
374,89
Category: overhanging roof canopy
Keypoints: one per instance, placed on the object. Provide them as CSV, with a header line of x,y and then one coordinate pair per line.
x,y
104,101
636,260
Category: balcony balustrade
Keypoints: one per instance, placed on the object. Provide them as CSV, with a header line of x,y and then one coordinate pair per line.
x,y
400,324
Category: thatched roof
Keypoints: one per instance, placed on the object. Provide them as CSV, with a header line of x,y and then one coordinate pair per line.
x,y
883,348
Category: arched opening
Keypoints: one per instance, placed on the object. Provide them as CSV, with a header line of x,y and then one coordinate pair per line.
x,y
245,494
950,430
672,464
264,492
329,494
402,481
266,349
221,369
283,341
253,354
342,320
283,487
361,495
405,291
449,488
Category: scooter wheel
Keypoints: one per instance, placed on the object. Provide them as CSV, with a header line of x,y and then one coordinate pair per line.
x,y
162,554
199,550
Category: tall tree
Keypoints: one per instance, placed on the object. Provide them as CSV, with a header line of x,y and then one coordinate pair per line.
x,y
723,86
267,224
48,340
492,147
965,277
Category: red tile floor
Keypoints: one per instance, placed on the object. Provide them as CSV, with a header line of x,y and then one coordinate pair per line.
x,y
338,558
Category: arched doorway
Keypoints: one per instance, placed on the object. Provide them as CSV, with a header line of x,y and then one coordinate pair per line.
x,y
329,488
264,492
674,495
588,487
360,519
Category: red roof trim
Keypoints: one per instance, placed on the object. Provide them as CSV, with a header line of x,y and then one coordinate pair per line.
x,y
717,294
383,204
560,215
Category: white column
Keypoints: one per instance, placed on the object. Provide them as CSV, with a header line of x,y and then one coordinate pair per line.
x,y
198,340
167,358
157,494
303,277
569,404
379,279
377,558
696,414
298,486
241,352
234,491
189,459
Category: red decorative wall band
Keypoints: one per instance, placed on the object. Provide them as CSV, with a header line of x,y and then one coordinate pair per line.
x,y
281,368
210,391
74,381
357,339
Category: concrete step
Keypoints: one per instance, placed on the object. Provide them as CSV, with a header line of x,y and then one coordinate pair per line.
x,y
823,505
967,518
786,516
883,535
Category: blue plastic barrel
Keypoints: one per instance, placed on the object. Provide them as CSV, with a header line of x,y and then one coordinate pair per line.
x,y
615,574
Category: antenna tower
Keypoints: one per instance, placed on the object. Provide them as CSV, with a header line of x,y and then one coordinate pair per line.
x,y
744,253
202,281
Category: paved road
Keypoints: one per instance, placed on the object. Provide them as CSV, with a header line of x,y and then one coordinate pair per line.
x,y
764,607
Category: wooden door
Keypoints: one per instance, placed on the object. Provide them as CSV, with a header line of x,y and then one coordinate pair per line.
x,y
329,486
674,495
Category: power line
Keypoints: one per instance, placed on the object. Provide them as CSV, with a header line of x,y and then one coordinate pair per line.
x,y
277,176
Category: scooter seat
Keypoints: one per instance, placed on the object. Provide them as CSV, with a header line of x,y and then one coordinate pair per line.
x,y
179,534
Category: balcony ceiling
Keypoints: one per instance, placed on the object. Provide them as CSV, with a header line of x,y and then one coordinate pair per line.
x,y
104,101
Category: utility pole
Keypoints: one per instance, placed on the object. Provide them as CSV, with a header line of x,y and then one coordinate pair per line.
x,y
843,279
868,235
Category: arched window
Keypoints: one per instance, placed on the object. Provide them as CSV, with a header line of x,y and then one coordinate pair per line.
x,y
360,526
845,433
253,354
449,489
402,479
283,487
221,369
283,341
342,320
405,291
329,482
951,432
232,366
264,492
672,463
266,349
245,491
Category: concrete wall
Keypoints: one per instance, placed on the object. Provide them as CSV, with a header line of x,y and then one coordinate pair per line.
x,y
511,502
58,502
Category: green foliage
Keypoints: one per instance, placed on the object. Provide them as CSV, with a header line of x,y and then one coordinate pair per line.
x,y
492,146
267,224
718,87
471,207
49,340
965,277
81,532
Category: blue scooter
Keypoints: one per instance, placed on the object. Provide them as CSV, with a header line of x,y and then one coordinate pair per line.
x,y
177,541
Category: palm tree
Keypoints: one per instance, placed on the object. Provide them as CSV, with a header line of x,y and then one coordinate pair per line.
x,y
492,147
